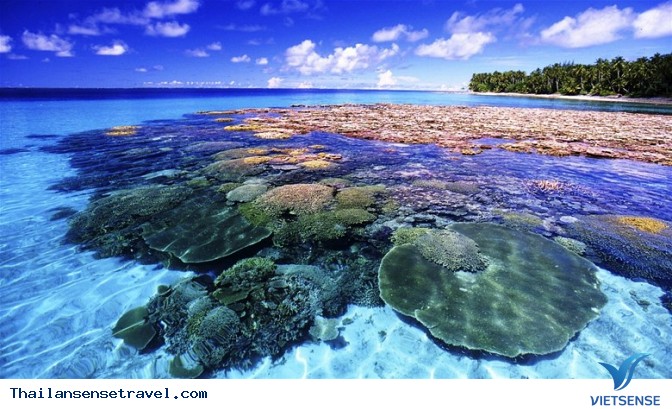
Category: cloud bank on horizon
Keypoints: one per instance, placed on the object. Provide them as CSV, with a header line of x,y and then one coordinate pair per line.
x,y
312,43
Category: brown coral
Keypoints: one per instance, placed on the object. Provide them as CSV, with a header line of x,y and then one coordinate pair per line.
x,y
645,224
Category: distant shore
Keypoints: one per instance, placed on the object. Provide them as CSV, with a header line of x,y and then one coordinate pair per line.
x,y
611,98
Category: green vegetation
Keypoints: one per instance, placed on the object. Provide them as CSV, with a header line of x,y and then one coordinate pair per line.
x,y
644,77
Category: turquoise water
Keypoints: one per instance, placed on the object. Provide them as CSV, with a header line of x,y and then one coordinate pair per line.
x,y
59,303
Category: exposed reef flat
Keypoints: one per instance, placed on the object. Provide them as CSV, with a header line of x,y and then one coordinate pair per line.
x,y
618,135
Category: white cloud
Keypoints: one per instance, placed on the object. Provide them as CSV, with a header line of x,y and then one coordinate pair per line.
x,y
41,42
240,59
117,48
459,46
168,29
394,33
495,18
197,52
305,85
286,7
243,28
217,46
154,68
469,34
85,30
591,27
13,56
155,9
386,79
261,61
115,16
303,58
275,82
5,45
655,22
245,4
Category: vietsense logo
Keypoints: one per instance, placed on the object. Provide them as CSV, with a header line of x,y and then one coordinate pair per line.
x,y
623,374
622,377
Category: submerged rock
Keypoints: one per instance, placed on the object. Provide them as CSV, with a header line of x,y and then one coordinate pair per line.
x,y
532,298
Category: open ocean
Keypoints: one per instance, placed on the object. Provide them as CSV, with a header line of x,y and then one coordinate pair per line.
x,y
59,303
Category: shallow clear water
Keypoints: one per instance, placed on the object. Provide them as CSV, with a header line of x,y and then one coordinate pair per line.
x,y
59,303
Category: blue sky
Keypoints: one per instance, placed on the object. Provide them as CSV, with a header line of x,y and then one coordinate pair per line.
x,y
399,44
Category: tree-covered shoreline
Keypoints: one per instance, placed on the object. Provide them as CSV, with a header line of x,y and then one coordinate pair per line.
x,y
644,77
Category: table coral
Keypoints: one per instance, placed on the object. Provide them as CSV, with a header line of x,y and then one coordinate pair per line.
x,y
532,298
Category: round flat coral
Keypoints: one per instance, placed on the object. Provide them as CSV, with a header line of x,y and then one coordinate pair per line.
x,y
532,298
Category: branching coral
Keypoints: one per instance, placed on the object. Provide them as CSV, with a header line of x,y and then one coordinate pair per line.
x,y
451,250
296,199
407,235
360,197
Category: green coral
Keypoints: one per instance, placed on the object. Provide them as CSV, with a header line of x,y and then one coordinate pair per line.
x,y
532,298
235,170
520,220
328,225
256,215
134,328
296,199
572,245
408,235
197,232
431,183
110,224
246,273
361,197
451,250
183,370
246,193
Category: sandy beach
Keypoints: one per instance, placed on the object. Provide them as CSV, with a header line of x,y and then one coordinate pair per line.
x,y
611,98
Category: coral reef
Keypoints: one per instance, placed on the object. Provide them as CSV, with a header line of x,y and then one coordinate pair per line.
x,y
195,232
532,298
296,199
123,130
252,310
643,224
451,250
408,235
134,328
361,197
632,246
520,220
431,183
572,245
545,131
109,224
234,170
328,225
246,193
